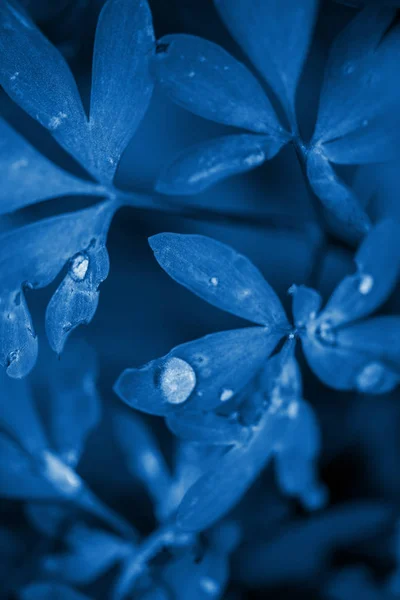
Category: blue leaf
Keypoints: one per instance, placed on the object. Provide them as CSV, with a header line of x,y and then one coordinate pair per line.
x,y
219,275
203,78
378,268
121,86
91,553
19,416
275,36
49,518
296,461
198,167
35,75
208,428
306,304
50,591
199,375
355,582
364,356
19,477
359,88
74,407
143,457
32,256
337,198
75,301
28,177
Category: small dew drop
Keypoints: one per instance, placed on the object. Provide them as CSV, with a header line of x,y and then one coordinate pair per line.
x,y
149,463
214,281
56,121
60,474
210,586
365,123
202,59
191,74
253,160
79,267
14,77
349,68
293,410
366,284
177,381
326,332
226,394
370,377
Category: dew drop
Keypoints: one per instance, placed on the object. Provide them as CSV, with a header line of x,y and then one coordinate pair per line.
x,y
293,410
79,267
253,160
370,377
177,381
60,474
149,464
226,394
56,121
326,332
210,586
191,74
366,284
365,123
349,68
214,281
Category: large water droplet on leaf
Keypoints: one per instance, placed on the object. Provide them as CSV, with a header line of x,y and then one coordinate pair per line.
x,y
177,381
79,267
370,378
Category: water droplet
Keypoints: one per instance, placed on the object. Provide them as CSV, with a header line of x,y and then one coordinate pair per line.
x,y
149,463
191,74
370,377
60,474
79,267
56,121
202,59
14,77
326,332
226,394
366,284
293,410
253,160
214,281
210,586
365,123
178,380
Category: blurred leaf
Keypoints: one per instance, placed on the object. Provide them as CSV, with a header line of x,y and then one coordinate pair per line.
x,y
121,86
208,428
50,591
198,167
221,276
203,78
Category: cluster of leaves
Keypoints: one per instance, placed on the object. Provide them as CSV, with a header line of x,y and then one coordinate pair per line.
x,y
232,400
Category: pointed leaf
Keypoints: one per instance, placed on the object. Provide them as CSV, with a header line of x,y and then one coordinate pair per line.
x,y
203,78
50,591
219,275
143,456
35,75
359,87
336,197
121,86
74,408
364,356
378,268
28,177
32,256
91,554
198,167
198,375
275,36
219,490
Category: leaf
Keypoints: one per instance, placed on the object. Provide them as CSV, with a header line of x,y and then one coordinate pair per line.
x,y
198,167
198,375
29,258
295,462
35,75
91,554
378,268
359,88
208,428
306,304
143,457
50,591
336,197
121,82
203,78
28,177
74,408
364,356
18,414
219,490
48,518
19,478
219,275
75,301
275,36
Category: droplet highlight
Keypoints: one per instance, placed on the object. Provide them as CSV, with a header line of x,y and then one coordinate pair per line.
x,y
226,394
177,381
366,284
79,267
370,377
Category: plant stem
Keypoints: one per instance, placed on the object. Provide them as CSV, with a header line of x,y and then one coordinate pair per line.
x,y
165,536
